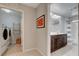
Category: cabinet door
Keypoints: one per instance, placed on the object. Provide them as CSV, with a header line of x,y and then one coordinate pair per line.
x,y
59,42
52,43
65,39
55,43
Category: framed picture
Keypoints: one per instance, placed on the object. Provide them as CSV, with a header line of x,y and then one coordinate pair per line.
x,y
40,22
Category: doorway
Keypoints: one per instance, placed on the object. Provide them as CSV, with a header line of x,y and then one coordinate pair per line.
x,y
63,18
12,20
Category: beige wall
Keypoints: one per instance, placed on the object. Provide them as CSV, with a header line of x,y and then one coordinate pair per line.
x,y
42,33
29,28
29,24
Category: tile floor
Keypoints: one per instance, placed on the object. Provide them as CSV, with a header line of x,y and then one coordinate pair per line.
x,y
68,50
17,51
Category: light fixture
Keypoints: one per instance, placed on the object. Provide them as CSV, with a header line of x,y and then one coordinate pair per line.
x,y
6,10
54,16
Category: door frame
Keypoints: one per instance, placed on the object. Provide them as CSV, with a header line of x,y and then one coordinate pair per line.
x,y
48,33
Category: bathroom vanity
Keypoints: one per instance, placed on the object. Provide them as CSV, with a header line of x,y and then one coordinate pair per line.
x,y
58,41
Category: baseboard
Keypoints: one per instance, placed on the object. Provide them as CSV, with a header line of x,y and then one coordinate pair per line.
x,y
41,52
35,49
29,49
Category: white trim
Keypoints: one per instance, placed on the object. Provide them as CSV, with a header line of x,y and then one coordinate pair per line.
x,y
48,37
40,52
22,30
29,49
35,49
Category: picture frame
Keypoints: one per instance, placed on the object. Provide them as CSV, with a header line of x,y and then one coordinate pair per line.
x,y
40,22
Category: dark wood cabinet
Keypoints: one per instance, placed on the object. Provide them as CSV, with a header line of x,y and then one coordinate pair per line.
x,y
58,41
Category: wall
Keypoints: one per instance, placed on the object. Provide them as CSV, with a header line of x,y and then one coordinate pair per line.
x,y
41,33
74,26
59,27
54,27
28,25
63,24
8,19
74,30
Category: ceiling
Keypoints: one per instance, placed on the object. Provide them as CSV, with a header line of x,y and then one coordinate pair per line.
x,y
63,9
34,5
9,11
